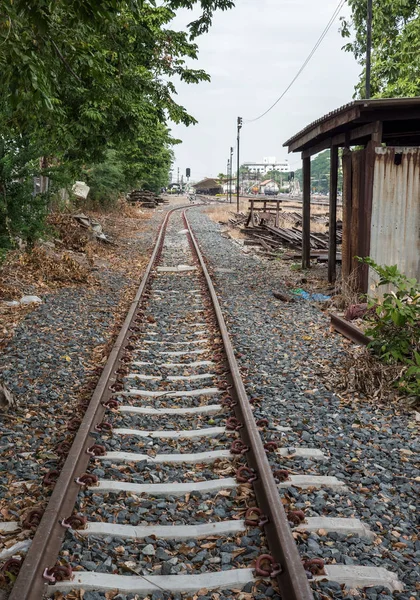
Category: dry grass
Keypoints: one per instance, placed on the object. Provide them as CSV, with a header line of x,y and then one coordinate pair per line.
x,y
362,373
345,294
221,213
73,260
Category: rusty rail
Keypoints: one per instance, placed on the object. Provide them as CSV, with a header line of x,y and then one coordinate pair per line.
x,y
49,535
292,580
349,330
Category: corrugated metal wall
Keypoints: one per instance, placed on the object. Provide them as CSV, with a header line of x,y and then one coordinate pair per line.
x,y
395,226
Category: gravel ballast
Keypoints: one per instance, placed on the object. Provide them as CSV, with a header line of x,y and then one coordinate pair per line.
x,y
49,366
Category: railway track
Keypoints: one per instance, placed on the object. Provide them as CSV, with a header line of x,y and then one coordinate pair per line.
x,y
168,461
168,487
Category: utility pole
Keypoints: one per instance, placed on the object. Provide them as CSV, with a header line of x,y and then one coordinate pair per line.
x,y
368,47
178,177
231,174
227,180
237,174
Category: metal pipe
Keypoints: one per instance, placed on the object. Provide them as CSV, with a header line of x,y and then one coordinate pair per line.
x,y
227,180
237,173
231,174
368,46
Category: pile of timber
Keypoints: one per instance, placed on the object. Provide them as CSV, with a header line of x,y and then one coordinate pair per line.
x,y
237,219
275,236
145,198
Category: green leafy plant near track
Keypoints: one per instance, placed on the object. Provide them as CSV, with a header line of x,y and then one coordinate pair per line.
x,y
394,325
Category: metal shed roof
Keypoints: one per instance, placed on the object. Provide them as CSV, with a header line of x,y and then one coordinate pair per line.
x,y
400,117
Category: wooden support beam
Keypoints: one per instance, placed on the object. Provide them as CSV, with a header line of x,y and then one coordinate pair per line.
x,y
332,247
306,214
356,136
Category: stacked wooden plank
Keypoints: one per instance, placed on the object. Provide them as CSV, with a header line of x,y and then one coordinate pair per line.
x,y
145,198
237,219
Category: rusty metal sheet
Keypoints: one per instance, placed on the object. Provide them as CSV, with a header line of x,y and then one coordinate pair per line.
x,y
395,225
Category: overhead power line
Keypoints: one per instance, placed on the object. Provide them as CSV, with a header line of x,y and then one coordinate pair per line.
x,y
314,49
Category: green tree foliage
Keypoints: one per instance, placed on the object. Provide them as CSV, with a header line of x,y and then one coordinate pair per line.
x,y
395,46
320,173
22,215
82,78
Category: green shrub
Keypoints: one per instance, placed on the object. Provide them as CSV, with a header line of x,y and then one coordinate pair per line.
x,y
395,326
22,213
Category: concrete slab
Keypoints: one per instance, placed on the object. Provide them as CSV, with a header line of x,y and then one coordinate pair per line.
x,y
315,481
164,532
291,452
169,434
210,409
177,269
9,526
354,576
165,489
178,394
88,581
338,525
198,457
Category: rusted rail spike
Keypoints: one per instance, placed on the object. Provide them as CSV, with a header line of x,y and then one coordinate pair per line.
x,y
254,516
111,404
246,475
58,573
33,518
266,566
281,474
233,424
10,569
96,450
296,516
51,477
238,447
63,448
87,479
104,426
314,566
271,446
74,522
74,424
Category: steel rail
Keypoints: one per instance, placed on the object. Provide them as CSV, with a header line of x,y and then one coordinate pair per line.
x,y
349,330
293,582
49,535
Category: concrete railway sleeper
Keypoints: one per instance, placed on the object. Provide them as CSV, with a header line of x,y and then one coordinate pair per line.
x,y
167,489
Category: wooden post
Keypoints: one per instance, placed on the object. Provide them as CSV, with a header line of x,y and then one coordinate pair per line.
x,y
332,246
306,214
277,213
347,208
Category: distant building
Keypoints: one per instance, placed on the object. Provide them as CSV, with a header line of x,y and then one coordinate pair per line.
x,y
229,186
209,187
269,163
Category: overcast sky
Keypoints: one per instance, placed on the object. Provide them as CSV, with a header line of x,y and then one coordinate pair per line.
x,y
252,53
